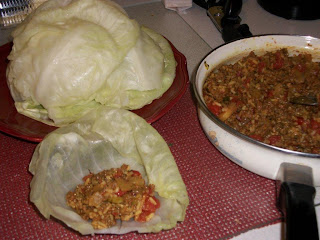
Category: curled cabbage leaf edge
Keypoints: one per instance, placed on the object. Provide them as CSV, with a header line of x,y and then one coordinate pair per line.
x,y
106,138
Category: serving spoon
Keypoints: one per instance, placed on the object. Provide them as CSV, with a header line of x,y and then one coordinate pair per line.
x,y
305,100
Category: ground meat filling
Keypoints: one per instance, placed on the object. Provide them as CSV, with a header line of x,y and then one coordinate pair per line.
x,y
115,194
252,96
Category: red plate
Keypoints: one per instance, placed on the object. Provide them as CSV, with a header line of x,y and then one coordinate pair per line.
x,y
20,126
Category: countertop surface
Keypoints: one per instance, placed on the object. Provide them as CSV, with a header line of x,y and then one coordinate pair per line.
x,y
255,217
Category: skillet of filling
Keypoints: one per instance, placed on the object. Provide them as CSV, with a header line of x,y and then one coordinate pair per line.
x,y
114,194
252,96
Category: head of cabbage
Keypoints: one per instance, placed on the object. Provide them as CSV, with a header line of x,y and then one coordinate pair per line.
x,y
72,56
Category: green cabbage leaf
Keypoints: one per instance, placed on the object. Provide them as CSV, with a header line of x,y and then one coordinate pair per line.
x,y
106,138
70,57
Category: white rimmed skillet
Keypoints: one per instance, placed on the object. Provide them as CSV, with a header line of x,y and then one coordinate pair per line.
x,y
298,172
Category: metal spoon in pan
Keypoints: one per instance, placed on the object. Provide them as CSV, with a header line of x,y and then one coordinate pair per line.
x,y
305,100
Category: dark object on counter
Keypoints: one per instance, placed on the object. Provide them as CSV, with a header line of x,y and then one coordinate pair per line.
x,y
225,16
296,199
293,9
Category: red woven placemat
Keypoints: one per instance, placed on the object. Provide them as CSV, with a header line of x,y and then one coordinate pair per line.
x,y
225,199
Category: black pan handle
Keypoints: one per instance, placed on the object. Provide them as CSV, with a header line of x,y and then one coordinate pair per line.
x,y
296,201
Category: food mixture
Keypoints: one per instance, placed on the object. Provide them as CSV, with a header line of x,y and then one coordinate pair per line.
x,y
118,193
253,96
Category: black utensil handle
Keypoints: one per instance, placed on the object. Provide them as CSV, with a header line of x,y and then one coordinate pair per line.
x,y
232,8
230,23
297,204
235,32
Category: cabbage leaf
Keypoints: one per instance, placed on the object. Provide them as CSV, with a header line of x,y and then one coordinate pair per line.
x,y
106,138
